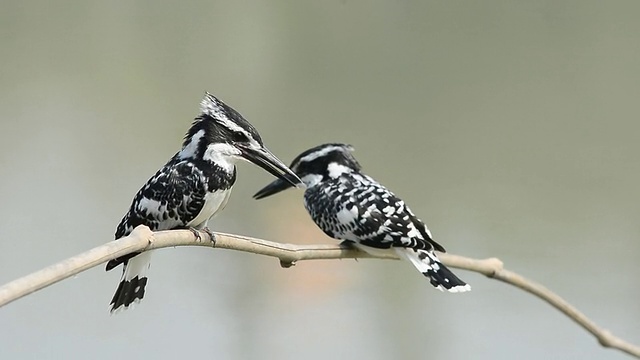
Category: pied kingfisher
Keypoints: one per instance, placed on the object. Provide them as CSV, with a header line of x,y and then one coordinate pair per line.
x,y
192,186
349,205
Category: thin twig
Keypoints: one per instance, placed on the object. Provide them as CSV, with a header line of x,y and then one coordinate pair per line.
x,y
142,239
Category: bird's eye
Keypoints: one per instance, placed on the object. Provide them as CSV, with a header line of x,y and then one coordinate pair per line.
x,y
240,137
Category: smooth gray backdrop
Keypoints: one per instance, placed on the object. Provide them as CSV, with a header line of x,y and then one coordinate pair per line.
x,y
510,127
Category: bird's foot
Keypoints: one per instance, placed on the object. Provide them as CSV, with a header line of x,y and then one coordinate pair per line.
x,y
211,235
196,233
207,231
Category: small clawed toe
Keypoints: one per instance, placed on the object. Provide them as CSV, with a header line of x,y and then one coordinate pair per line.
x,y
196,233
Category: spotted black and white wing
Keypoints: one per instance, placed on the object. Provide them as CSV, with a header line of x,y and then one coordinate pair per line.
x,y
355,207
194,185
176,197
172,198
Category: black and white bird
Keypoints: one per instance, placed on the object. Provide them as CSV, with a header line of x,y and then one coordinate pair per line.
x,y
192,186
349,205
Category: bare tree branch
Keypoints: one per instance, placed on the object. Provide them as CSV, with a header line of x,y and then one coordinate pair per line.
x,y
142,239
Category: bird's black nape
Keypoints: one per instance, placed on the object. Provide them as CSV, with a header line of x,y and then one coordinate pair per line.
x,y
319,160
321,155
314,163
192,186
349,205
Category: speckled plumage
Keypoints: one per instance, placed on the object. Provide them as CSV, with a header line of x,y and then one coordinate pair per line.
x,y
191,187
355,207
349,205
175,195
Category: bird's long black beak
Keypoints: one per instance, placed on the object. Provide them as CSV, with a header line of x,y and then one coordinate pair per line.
x,y
273,188
266,160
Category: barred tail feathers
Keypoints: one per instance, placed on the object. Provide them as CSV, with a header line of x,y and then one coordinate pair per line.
x,y
132,284
430,266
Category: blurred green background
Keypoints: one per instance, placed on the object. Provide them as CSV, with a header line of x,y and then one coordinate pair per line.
x,y
510,127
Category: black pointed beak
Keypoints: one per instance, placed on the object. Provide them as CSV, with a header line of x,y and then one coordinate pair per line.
x,y
266,160
275,187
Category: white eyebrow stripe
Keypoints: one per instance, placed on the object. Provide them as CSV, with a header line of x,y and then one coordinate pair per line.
x,y
224,120
320,153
